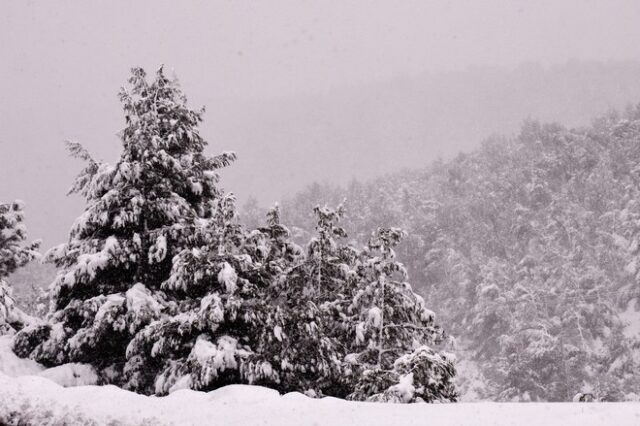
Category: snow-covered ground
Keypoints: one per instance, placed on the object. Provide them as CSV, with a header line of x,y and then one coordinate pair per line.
x,y
12,365
26,394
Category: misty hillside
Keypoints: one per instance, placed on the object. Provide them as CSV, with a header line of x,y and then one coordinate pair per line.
x,y
528,250
366,131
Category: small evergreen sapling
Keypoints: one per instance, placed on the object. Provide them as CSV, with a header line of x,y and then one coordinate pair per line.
x,y
392,354
13,255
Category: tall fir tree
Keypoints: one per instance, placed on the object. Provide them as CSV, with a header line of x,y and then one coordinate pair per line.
x,y
140,213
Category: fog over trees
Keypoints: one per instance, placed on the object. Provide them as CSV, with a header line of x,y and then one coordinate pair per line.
x,y
358,131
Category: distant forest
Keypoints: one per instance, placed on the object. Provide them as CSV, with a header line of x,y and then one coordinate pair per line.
x,y
527,249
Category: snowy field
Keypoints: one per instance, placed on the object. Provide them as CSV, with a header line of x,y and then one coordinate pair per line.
x,y
252,405
29,394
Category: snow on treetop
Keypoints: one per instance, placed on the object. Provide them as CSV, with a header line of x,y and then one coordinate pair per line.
x,y
277,332
112,301
404,389
374,316
139,297
427,314
90,263
228,277
211,309
360,330
215,358
158,250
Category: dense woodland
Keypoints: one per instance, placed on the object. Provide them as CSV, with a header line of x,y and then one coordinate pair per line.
x,y
527,250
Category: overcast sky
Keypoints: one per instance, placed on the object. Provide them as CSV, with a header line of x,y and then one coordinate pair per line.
x,y
61,63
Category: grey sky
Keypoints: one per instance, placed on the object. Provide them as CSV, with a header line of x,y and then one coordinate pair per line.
x,y
61,63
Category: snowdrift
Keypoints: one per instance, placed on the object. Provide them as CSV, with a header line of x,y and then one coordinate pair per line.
x,y
37,400
12,365
31,395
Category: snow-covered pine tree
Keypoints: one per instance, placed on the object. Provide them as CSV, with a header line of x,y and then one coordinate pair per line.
x,y
244,316
351,326
205,341
13,255
393,334
141,212
311,294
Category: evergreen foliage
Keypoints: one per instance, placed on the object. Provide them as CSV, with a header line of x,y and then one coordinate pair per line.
x,y
270,313
140,213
